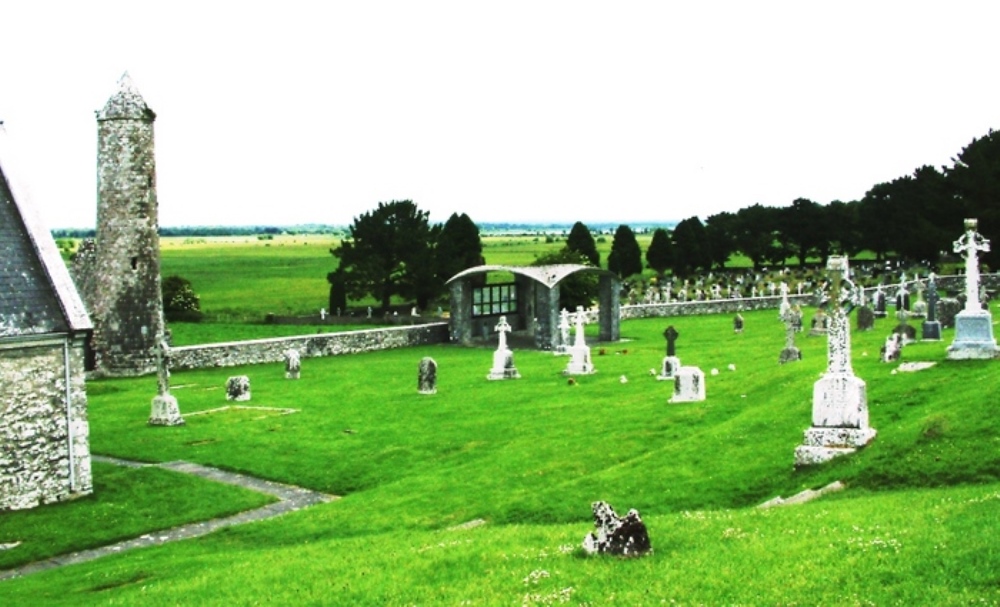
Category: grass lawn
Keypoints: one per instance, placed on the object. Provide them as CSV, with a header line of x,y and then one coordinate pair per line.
x,y
917,524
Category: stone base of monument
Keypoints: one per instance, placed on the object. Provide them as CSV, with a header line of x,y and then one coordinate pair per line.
x,y
165,412
503,366
789,355
823,444
930,330
973,336
689,385
579,362
840,400
560,350
671,364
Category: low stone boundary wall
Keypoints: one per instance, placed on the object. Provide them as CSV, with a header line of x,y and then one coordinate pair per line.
x,y
231,354
712,306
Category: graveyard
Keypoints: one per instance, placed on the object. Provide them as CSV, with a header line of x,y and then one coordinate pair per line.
x,y
481,493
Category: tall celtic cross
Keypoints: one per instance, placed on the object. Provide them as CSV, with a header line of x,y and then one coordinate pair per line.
x,y
971,243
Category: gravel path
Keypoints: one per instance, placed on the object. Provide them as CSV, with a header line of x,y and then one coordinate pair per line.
x,y
290,498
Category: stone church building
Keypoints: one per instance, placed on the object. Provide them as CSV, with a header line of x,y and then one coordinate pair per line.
x,y
44,435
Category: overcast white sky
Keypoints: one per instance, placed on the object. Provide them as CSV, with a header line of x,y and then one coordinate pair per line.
x,y
524,111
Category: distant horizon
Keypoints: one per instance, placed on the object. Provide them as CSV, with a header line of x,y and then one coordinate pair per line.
x,y
313,225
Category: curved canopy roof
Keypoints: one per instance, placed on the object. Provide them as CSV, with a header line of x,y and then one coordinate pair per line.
x,y
547,275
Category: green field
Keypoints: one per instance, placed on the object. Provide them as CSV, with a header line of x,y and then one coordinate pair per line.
x,y
917,524
243,279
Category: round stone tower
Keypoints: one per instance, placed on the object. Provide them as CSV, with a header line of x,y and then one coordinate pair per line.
x,y
126,304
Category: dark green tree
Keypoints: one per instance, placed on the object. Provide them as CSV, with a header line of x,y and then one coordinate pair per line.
x,y
577,289
389,252
625,258
338,290
582,241
756,234
845,227
974,179
660,253
803,231
720,230
690,247
458,247
180,303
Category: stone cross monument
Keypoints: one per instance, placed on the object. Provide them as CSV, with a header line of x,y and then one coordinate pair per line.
x,y
931,328
840,403
579,362
973,325
164,410
503,358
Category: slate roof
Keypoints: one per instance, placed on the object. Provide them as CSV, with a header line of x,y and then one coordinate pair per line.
x,y
37,295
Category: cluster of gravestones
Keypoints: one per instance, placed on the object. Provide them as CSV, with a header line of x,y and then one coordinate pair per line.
x,y
165,410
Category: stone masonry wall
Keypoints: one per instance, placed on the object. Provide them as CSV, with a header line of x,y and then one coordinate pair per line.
x,y
35,459
232,354
714,306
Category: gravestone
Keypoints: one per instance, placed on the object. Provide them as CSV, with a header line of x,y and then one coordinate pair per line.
x,y
427,376
866,318
671,364
238,388
671,335
689,385
790,353
947,309
503,358
785,306
973,325
579,361
738,323
293,364
840,402
562,348
879,302
619,536
820,324
892,349
164,410
904,329
931,328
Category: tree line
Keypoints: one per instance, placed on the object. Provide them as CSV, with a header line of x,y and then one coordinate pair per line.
x,y
394,250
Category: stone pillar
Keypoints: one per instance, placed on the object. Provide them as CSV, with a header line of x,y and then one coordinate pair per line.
x,y
460,320
547,316
125,302
610,308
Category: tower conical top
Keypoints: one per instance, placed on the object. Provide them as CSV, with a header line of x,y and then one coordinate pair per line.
x,y
126,103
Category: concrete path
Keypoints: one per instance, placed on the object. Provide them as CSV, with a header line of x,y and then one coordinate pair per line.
x,y
290,498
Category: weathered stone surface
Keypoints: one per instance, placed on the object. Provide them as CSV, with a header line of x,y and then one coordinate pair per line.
x,y
232,354
43,458
671,365
238,388
947,309
293,365
620,536
866,318
689,385
427,376
123,292
973,336
165,411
